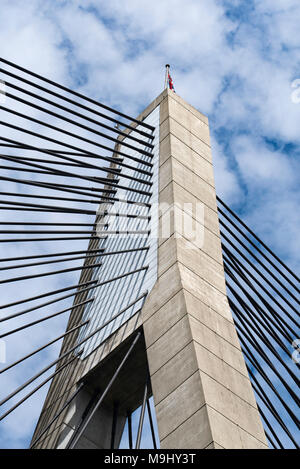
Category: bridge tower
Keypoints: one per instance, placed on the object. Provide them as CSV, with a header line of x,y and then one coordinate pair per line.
x,y
160,310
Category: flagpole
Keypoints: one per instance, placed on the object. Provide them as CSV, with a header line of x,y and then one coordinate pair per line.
x,y
166,76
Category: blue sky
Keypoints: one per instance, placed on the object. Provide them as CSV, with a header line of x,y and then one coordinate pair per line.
x,y
235,61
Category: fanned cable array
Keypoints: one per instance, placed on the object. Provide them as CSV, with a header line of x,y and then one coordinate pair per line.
x,y
76,191
263,295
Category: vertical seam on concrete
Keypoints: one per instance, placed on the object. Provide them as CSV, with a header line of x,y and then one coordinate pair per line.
x,y
182,125
182,103
180,384
204,225
188,168
205,325
183,288
236,424
223,317
228,389
204,405
246,376
220,264
176,182
156,311
195,136
204,280
180,350
212,443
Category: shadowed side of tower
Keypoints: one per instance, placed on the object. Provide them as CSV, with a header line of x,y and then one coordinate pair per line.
x,y
189,346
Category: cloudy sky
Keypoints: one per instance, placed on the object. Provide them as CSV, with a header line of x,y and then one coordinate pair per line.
x,y
237,61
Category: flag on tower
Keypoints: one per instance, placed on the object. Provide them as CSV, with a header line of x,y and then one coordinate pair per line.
x,y
168,79
171,86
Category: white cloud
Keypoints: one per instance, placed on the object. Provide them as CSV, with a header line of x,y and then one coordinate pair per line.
x,y
261,166
226,181
29,39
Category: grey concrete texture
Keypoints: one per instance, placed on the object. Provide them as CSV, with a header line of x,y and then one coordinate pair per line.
x,y
199,379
